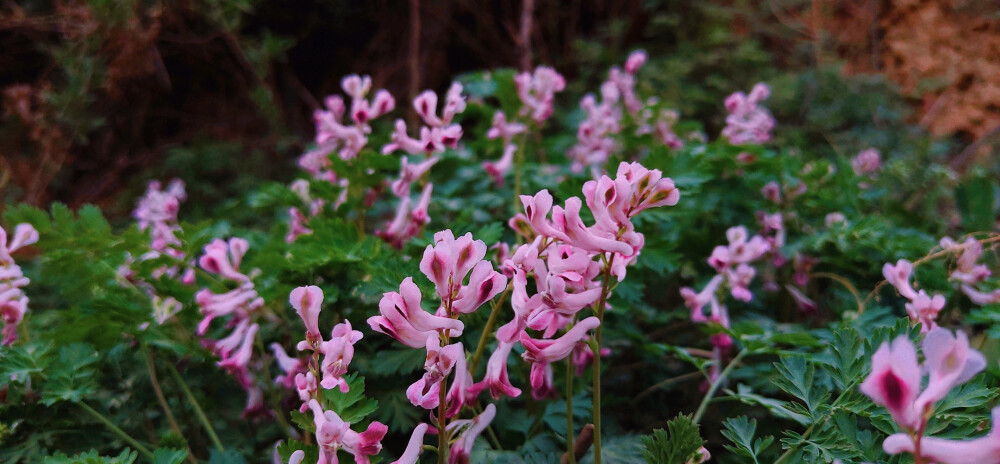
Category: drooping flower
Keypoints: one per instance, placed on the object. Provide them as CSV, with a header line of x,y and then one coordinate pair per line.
x,y
540,353
332,434
468,431
402,317
414,447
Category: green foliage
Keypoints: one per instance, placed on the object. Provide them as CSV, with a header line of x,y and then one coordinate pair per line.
x,y
91,457
678,444
741,432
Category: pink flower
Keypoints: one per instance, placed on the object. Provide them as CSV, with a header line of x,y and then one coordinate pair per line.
x,y
238,361
468,430
240,301
414,447
289,365
747,121
834,218
461,392
496,378
899,276
307,302
635,61
500,128
449,260
541,353
296,225
772,192
501,167
408,173
484,284
307,388
402,317
950,362
697,301
894,381
924,309
867,162
980,450
537,91
338,352
224,258
332,433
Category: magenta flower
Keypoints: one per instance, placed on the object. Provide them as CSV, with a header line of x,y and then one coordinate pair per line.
x,y
496,379
307,302
899,276
296,225
468,431
867,162
484,284
332,434
503,129
502,166
337,355
461,392
982,450
224,258
238,361
449,260
772,192
748,122
635,61
289,365
894,381
13,302
408,173
411,455
537,92
402,317
541,353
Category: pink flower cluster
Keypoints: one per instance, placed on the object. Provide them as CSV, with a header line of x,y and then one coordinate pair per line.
x,y
748,122
157,212
967,273
13,302
332,433
565,259
537,94
868,162
235,350
732,264
298,223
596,134
348,138
922,307
464,281
439,132
895,383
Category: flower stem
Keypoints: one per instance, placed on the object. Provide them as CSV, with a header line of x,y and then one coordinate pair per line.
x,y
715,386
117,431
570,435
197,408
162,400
595,345
442,432
490,323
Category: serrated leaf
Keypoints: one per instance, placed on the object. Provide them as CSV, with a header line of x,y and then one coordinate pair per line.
x,y
676,445
741,431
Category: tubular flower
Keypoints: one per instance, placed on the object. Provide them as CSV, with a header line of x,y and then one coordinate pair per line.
x,y
503,129
13,301
541,353
502,166
332,434
411,455
537,92
402,317
748,122
982,450
448,260
338,352
307,302
292,367
496,379
470,429
922,307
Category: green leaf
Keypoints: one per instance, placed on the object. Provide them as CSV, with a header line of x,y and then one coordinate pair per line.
x,y
91,457
169,456
353,405
18,363
676,445
69,378
740,431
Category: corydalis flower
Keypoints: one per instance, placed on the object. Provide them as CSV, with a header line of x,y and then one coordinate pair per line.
x,y
748,122
404,319
922,307
439,132
332,434
13,301
895,378
468,431
537,91
980,450
541,353
867,162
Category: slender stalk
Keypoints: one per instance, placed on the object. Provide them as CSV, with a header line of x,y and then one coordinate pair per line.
x,y
442,432
197,408
162,400
570,434
117,431
715,385
492,321
595,346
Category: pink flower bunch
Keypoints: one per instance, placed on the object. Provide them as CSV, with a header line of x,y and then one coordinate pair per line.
x,y
347,137
867,162
748,122
895,383
298,223
732,264
604,120
157,211
922,307
439,132
409,220
463,281
773,192
537,92
967,273
564,259
13,302
332,433
235,350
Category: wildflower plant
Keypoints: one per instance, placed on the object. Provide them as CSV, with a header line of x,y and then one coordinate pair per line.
x,y
524,275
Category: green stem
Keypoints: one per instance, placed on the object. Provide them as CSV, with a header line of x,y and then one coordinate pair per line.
x,y
442,431
117,431
474,362
570,455
163,400
715,385
595,346
197,409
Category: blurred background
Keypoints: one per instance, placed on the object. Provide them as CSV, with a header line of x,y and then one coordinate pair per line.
x,y
99,96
